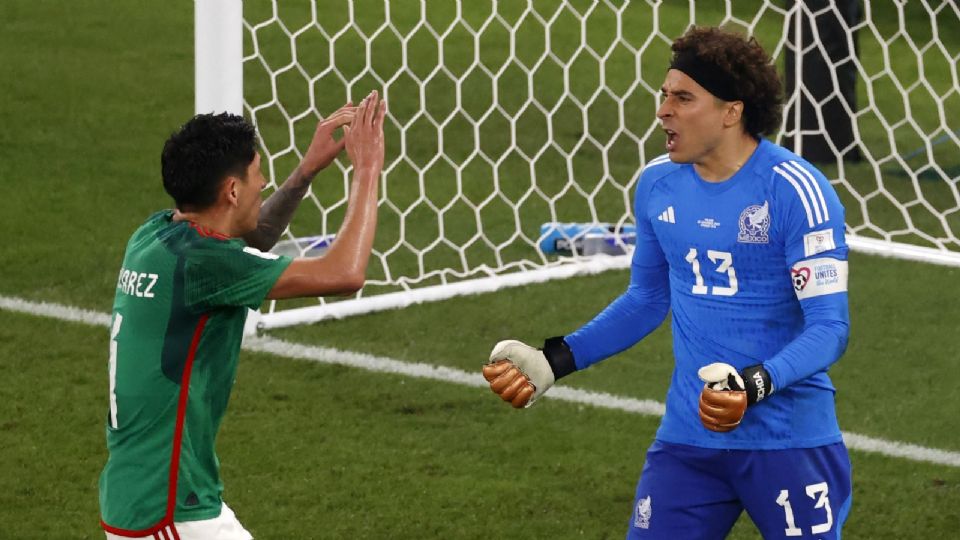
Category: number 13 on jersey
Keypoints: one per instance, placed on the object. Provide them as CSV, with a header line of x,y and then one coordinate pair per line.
x,y
723,262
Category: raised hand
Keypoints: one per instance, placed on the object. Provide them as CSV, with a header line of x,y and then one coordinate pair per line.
x,y
324,148
364,136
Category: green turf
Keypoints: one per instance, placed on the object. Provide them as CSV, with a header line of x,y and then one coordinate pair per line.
x,y
315,451
91,89
902,313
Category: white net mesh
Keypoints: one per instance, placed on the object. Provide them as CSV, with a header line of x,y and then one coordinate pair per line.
x,y
508,115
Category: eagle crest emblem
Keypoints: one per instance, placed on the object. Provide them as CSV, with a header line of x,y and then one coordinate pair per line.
x,y
643,513
754,224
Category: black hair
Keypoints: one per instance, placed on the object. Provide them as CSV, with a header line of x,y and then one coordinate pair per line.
x,y
746,65
202,153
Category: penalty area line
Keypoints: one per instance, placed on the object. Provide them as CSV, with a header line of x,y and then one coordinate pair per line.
x,y
380,364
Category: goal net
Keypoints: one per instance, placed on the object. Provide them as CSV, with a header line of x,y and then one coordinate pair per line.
x,y
505,117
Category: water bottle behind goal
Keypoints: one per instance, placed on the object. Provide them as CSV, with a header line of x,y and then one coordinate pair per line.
x,y
305,246
558,238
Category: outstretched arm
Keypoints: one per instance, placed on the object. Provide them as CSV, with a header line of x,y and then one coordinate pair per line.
x,y
520,374
342,270
278,209
629,318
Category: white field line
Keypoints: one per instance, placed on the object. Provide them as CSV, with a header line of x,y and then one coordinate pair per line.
x,y
382,364
55,311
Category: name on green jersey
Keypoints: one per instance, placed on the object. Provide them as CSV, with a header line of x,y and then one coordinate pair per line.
x,y
136,283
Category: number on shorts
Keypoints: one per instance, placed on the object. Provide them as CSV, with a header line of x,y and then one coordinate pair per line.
x,y
823,501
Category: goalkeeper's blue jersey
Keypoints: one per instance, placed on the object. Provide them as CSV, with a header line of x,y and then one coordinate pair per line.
x,y
754,271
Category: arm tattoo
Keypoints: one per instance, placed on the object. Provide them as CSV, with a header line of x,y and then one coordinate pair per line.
x,y
277,211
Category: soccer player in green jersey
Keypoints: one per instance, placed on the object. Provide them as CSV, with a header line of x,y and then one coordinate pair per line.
x,y
188,278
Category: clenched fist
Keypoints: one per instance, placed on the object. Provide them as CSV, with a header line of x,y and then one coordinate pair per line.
x,y
518,373
724,398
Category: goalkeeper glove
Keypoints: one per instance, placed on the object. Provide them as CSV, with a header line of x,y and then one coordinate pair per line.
x,y
725,397
520,374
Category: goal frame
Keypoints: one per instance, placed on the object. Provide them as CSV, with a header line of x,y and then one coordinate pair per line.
x,y
219,33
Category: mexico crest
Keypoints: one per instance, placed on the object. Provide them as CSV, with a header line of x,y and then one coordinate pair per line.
x,y
754,224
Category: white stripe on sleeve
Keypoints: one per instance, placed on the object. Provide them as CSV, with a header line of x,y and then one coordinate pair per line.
x,y
806,184
796,186
816,185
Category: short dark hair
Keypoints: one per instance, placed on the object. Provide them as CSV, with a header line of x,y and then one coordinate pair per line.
x,y
747,65
202,153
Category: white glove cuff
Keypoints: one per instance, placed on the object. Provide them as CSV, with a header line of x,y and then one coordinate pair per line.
x,y
717,374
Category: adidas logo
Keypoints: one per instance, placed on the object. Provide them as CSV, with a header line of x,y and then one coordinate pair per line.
x,y
667,216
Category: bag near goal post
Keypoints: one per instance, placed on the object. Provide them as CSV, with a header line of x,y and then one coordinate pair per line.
x,y
507,117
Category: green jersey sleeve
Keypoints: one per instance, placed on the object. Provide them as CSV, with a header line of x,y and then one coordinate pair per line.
x,y
228,273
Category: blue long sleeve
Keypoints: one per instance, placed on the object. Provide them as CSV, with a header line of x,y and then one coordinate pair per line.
x,y
641,308
822,342
627,320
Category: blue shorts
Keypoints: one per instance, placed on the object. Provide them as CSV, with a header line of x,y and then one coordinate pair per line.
x,y
698,493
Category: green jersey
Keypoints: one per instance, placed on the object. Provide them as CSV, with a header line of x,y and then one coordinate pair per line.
x,y
181,302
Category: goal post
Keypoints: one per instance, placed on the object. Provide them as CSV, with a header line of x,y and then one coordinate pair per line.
x,y
218,57
509,116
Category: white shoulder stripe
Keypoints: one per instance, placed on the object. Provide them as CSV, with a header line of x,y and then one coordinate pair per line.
x,y
810,194
796,186
816,186
659,160
806,184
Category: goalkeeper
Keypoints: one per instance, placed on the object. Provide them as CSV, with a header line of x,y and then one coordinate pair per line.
x,y
188,280
743,241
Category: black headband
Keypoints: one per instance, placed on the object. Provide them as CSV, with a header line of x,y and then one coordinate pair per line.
x,y
707,75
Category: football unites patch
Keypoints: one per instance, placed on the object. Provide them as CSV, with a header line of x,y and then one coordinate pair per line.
x,y
801,276
817,277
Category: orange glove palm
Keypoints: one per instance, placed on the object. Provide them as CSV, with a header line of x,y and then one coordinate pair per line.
x,y
724,398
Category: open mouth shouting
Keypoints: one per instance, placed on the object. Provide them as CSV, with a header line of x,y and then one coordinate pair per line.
x,y
671,139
